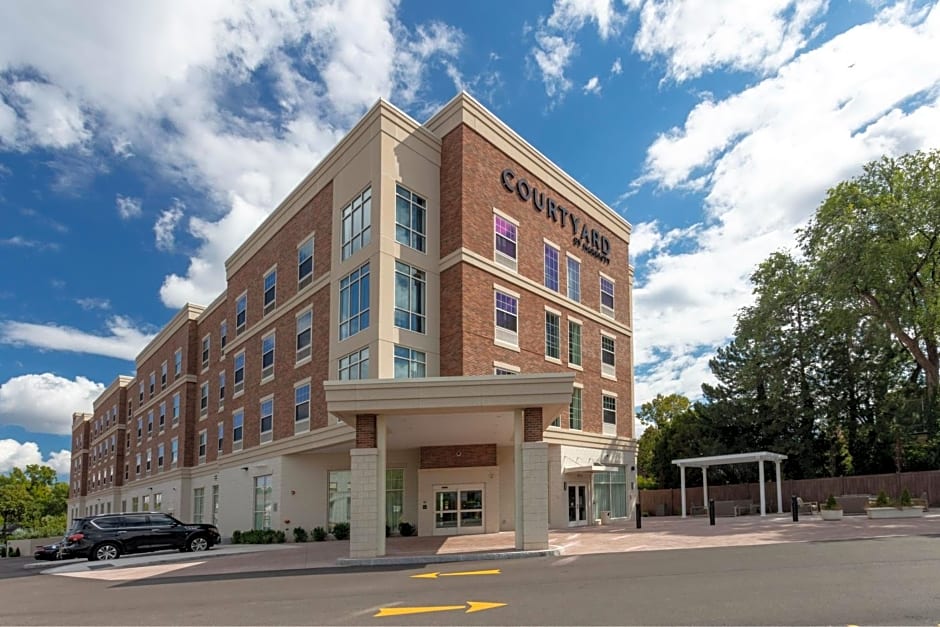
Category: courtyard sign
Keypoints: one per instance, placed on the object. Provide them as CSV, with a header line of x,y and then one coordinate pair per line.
x,y
589,240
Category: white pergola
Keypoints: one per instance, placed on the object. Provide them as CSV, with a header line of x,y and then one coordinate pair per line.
x,y
739,458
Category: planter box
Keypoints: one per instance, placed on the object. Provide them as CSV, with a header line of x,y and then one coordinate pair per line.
x,y
895,512
830,514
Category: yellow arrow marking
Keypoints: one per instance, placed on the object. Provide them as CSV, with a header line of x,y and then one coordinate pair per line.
x,y
495,571
470,606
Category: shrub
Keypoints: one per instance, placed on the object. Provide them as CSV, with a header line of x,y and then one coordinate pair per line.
x,y
280,537
831,503
319,534
300,534
882,500
236,537
3,551
905,499
406,529
16,552
341,531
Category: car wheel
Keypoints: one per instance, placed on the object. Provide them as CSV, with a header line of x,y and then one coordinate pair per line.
x,y
105,551
198,543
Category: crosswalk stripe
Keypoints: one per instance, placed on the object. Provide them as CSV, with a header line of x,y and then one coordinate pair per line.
x,y
129,574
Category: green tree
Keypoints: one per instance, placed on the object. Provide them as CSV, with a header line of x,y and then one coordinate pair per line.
x,y
662,409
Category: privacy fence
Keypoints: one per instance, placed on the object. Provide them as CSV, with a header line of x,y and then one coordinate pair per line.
x,y
668,502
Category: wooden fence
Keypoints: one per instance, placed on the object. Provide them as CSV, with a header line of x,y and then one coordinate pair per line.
x,y
668,502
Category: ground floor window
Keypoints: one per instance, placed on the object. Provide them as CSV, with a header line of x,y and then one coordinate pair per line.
x,y
610,492
394,497
264,502
215,505
339,492
198,498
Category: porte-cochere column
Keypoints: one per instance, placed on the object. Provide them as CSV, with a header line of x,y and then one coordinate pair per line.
x,y
531,466
367,488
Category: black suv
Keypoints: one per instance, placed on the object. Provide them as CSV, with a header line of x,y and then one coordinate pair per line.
x,y
108,536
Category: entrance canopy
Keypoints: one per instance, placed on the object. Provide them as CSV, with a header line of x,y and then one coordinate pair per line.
x,y
737,458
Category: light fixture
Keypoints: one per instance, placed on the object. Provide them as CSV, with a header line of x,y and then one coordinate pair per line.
x,y
245,468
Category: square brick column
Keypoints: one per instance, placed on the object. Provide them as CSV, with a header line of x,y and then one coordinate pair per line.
x,y
367,489
531,466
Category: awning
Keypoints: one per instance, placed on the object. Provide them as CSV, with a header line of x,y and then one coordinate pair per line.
x,y
591,468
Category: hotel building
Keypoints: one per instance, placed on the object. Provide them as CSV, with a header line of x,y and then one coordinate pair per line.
x,y
434,327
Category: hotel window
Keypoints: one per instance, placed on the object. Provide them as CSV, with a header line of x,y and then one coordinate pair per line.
x,y
163,376
206,341
357,223
270,291
574,343
137,465
140,390
507,319
220,438
267,419
221,389
239,378
505,239
267,356
409,218
161,449
177,362
264,502
302,403
339,496
574,410
305,264
161,423
241,314
607,296
145,503
134,506
355,365
304,334
505,369
551,267
157,501
552,335
409,363
130,409
608,356
223,334
574,279
153,383
203,442
203,400
354,302
238,424
610,492
176,408
410,294
174,452
215,505
609,406
149,458
199,495
149,423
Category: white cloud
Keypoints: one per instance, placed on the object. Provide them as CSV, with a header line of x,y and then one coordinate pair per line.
x,y
124,342
593,86
93,303
617,67
7,123
18,241
696,36
128,207
44,403
165,226
552,56
571,15
52,119
763,159
14,454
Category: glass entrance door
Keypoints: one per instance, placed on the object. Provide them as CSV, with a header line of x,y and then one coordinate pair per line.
x,y
458,510
577,504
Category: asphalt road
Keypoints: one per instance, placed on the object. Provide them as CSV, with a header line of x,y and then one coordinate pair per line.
x,y
884,581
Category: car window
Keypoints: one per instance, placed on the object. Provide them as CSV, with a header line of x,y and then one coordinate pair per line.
x,y
111,522
136,521
157,520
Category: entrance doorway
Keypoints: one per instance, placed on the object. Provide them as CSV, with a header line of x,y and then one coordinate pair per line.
x,y
458,509
577,504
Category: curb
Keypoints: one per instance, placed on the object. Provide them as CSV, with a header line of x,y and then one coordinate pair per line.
x,y
442,559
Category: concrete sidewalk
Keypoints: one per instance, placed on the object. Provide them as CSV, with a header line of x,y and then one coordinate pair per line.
x,y
659,533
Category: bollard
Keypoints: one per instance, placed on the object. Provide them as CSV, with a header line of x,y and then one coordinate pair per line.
x,y
639,517
711,512
795,509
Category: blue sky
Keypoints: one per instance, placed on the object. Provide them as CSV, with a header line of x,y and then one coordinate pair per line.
x,y
138,151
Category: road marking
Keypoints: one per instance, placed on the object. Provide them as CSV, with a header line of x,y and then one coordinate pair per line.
x,y
469,606
129,574
465,573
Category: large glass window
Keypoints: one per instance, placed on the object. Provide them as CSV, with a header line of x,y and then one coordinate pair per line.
x,y
394,496
409,363
199,495
241,313
357,223
355,365
505,240
339,496
267,356
339,492
264,502
354,302
305,264
574,279
574,410
607,297
304,334
302,403
552,335
410,296
610,492
270,291
551,267
574,343
409,218
215,505
608,356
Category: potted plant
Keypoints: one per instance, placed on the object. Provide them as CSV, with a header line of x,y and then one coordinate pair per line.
x,y
900,508
831,510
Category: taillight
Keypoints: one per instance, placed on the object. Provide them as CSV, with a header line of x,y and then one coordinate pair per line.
x,y
76,537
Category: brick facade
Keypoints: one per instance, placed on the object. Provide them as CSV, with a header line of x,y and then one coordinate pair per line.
x,y
464,456
366,435
532,421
